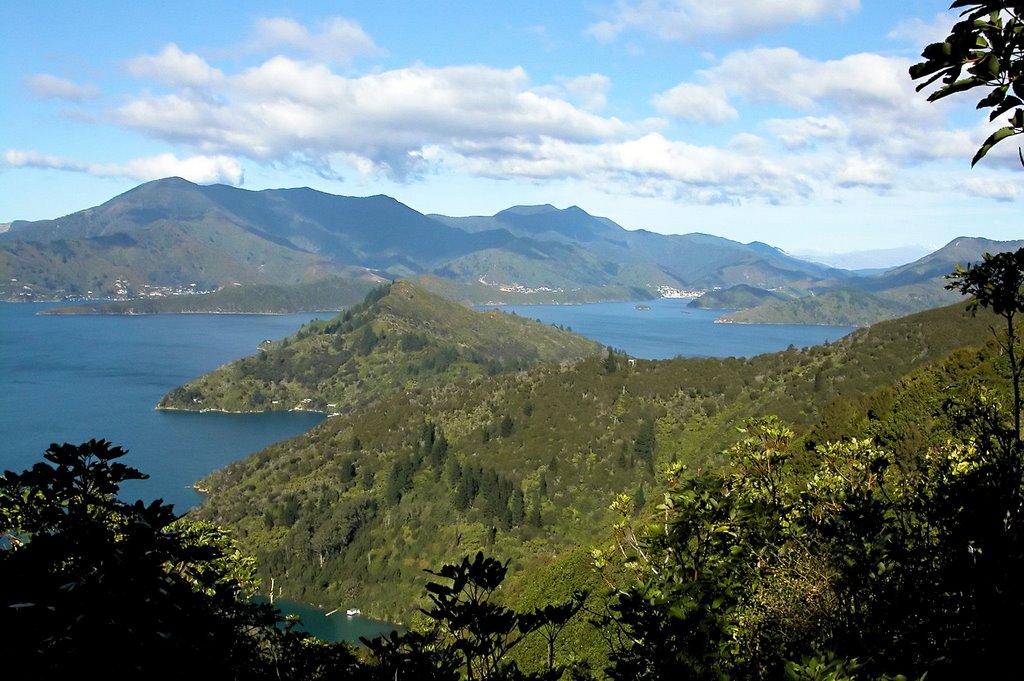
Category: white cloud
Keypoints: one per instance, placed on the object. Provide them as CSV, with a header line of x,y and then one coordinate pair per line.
x,y
844,124
861,103
205,169
174,68
872,173
918,33
286,110
590,92
992,187
858,82
338,40
45,86
797,133
698,21
651,165
696,103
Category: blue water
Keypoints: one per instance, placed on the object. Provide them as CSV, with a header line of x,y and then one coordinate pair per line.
x,y
670,329
73,378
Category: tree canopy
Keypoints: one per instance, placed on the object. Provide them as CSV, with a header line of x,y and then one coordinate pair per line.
x,y
129,589
984,50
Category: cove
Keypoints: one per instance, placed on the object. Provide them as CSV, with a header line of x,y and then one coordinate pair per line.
x,y
333,625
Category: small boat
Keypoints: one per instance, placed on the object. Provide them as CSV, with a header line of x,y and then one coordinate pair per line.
x,y
352,612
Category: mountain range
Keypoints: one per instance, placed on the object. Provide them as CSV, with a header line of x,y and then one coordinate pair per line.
x,y
171,236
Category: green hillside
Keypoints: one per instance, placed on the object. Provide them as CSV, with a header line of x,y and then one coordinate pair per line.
x,y
524,465
400,339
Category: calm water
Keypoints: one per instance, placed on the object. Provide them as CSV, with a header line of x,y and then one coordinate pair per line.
x,y
335,625
71,378
669,329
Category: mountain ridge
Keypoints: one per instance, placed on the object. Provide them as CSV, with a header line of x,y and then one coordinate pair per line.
x,y
173,234
533,247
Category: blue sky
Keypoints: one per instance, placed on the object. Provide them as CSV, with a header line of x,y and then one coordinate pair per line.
x,y
786,121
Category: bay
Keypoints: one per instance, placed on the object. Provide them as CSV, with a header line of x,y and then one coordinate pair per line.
x,y
667,328
75,378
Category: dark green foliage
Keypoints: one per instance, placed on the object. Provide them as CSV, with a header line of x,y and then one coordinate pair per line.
x,y
364,343
505,429
643,445
998,283
98,583
887,562
468,632
983,50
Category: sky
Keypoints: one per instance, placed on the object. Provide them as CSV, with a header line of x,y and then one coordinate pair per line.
x,y
792,122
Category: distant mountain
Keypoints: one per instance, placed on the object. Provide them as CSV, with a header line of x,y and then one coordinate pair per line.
x,y
874,260
643,258
913,287
172,233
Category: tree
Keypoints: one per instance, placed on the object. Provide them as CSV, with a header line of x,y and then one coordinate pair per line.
x,y
998,283
985,49
127,589
467,630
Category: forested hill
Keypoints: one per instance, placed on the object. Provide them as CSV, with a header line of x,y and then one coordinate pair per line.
x,y
399,338
525,464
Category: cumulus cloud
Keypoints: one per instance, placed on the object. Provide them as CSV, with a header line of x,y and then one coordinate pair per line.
x,y
204,169
872,173
865,101
854,122
337,40
797,133
45,86
992,187
651,165
590,92
287,110
699,21
858,82
696,103
174,68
